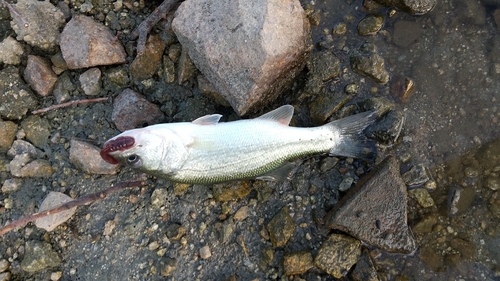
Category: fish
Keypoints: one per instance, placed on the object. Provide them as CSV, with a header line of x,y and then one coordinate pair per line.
x,y
207,151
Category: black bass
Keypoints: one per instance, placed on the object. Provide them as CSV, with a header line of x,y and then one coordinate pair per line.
x,y
207,151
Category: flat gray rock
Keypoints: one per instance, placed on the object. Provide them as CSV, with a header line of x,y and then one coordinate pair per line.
x,y
375,210
249,50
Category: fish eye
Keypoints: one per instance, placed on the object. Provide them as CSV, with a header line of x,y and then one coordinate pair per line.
x,y
133,160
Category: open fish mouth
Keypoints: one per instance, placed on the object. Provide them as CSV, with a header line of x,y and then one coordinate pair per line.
x,y
118,144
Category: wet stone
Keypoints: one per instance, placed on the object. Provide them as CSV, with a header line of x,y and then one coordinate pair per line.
x,y
39,75
406,33
281,228
368,62
425,225
459,200
90,81
380,104
431,258
8,131
38,24
414,7
232,191
370,25
15,96
63,88
10,51
185,67
241,214
87,158
466,249
94,45
323,106
492,182
261,46
325,64
417,175
364,270
422,196
297,262
147,63
338,254
387,128
131,110
37,130
346,184
375,209
175,232
39,256
208,89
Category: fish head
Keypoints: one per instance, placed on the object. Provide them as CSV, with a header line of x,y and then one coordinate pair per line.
x,y
146,150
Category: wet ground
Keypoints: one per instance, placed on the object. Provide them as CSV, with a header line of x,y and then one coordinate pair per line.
x,y
451,126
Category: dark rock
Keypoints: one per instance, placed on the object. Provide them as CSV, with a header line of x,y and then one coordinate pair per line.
x,y
323,106
167,266
417,175
366,61
208,89
406,32
185,67
374,210
11,51
431,258
414,7
131,110
37,130
39,256
63,88
168,70
325,64
364,270
90,81
250,52
425,225
22,147
39,75
466,249
297,262
87,158
118,76
338,254
370,25
387,128
175,232
147,63
38,23
8,131
94,45
380,104
15,96
281,228
459,200
58,63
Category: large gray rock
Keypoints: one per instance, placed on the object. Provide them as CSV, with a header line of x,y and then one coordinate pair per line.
x,y
249,50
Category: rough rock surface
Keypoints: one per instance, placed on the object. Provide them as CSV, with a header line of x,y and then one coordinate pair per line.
x,y
338,254
94,45
374,211
39,75
365,60
90,81
87,158
414,7
146,64
38,23
37,130
281,228
249,50
131,110
7,133
15,96
38,256
10,51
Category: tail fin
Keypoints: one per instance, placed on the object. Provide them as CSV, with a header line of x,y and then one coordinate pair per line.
x,y
352,142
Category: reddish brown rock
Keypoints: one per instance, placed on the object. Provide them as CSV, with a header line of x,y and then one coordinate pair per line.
x,y
39,75
147,63
131,110
375,210
87,43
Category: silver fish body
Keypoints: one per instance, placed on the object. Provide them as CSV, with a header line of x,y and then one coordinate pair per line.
x,y
208,151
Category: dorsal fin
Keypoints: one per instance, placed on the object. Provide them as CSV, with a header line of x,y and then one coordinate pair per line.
x,y
281,114
208,119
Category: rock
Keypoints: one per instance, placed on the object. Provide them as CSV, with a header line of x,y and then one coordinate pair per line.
x,y
370,25
147,63
37,168
249,51
11,185
39,75
118,76
281,228
297,262
227,192
402,88
15,96
131,110
324,105
168,266
406,33
422,196
159,197
425,225
366,61
38,23
417,175
63,88
180,188
380,104
175,232
90,81
87,158
387,128
325,64
414,7
4,265
338,254
209,90
185,67
94,45
459,200
168,70
205,252
364,270
39,256
10,51
241,214
492,182
375,209
8,131
22,147
37,130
